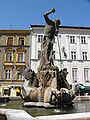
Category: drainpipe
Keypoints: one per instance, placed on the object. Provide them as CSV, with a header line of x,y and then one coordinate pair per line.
x,y
30,46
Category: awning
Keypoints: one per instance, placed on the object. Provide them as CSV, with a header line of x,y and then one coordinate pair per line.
x,y
87,88
82,87
17,90
14,85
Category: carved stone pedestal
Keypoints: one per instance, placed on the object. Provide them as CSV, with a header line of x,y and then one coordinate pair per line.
x,y
47,79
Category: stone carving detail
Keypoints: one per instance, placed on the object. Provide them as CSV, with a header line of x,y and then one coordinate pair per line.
x,y
31,77
62,82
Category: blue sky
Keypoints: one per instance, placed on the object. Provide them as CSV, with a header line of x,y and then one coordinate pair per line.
x,y
19,14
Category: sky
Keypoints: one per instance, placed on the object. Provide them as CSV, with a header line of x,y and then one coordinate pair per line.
x,y
19,14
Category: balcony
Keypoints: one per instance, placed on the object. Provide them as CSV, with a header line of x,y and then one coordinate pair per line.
x,y
8,63
23,64
11,81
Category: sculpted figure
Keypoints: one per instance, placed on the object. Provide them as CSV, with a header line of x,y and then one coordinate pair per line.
x,y
31,77
30,87
51,30
62,82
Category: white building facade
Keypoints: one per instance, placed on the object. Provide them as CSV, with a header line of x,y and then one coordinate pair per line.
x,y
71,50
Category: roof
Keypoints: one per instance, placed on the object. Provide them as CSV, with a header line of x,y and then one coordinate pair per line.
x,y
15,32
67,27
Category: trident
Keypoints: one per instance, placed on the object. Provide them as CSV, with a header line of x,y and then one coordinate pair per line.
x,y
57,39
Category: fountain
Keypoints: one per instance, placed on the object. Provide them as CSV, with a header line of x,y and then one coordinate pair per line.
x,y
49,86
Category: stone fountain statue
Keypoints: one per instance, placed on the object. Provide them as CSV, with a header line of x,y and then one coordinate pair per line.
x,y
50,84
51,30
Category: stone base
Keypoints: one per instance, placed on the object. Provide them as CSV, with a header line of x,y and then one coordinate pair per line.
x,y
38,104
45,78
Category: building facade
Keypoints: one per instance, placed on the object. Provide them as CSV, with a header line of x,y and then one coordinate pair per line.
x,y
71,50
14,54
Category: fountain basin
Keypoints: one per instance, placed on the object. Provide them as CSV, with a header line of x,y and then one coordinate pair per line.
x,y
78,107
13,114
76,116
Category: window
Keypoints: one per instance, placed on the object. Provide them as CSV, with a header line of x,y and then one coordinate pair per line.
x,y
8,74
39,53
40,38
10,41
53,55
74,74
19,76
73,55
21,41
6,92
20,57
86,74
72,39
83,41
9,57
84,55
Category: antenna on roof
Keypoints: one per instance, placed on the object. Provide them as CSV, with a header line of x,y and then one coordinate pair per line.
x,y
10,26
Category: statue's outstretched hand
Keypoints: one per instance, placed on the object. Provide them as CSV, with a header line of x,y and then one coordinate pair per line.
x,y
53,10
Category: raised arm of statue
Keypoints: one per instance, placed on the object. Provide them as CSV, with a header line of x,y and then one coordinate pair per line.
x,y
46,15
